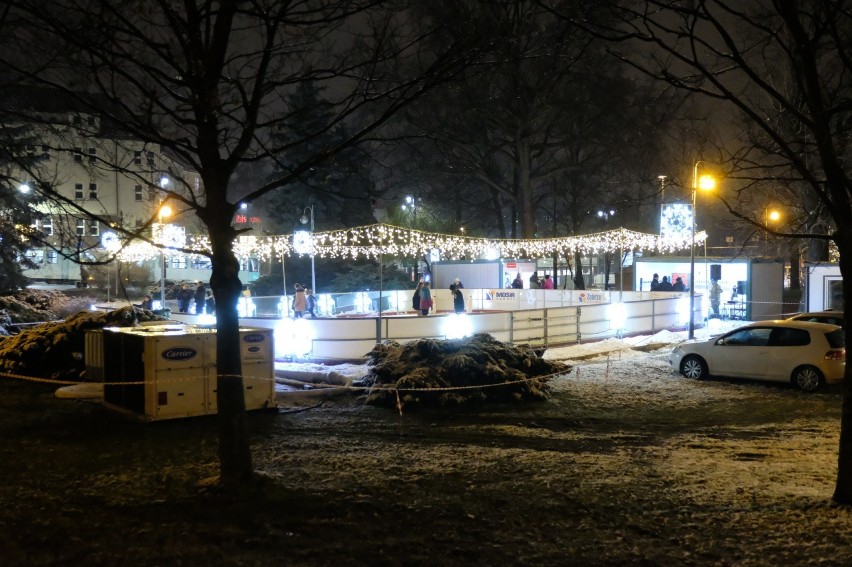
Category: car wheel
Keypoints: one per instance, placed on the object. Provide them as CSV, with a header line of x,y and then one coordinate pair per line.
x,y
694,367
807,378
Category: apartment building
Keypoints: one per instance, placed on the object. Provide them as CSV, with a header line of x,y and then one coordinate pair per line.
x,y
92,164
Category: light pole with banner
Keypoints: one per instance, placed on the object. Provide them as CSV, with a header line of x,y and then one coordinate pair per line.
x,y
111,243
167,236
707,183
308,217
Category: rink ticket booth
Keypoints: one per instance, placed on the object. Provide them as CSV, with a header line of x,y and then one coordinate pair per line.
x,y
752,290
169,371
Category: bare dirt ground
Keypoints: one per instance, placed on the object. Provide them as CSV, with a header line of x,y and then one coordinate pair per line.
x,y
607,472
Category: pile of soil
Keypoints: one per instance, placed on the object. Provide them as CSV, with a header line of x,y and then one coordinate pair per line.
x,y
458,371
55,350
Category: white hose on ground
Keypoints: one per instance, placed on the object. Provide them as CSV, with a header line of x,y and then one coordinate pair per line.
x,y
320,383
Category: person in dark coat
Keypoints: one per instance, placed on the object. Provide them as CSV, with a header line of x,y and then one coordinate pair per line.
x,y
425,298
518,282
200,297
665,285
535,283
184,296
655,283
147,303
415,299
678,285
458,298
311,300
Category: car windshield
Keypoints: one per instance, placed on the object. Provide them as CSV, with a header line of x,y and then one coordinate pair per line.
x,y
836,339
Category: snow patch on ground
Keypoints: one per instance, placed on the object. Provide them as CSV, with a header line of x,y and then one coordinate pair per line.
x,y
621,374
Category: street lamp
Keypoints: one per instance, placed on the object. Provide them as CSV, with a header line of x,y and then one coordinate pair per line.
x,y
165,212
111,243
411,205
605,216
305,219
707,183
769,216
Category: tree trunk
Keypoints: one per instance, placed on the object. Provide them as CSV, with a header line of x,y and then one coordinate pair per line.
x,y
795,266
524,189
843,487
234,453
579,282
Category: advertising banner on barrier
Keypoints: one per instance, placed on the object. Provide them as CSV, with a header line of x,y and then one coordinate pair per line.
x,y
591,297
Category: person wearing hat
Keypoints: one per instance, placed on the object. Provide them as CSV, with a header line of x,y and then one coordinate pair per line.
x,y
678,285
458,298
147,303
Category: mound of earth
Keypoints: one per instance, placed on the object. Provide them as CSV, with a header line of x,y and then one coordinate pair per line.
x,y
445,372
36,305
55,350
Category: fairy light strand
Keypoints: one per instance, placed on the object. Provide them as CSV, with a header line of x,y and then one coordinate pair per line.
x,y
372,241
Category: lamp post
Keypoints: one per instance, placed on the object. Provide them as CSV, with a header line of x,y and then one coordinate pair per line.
x,y
111,243
769,216
605,216
305,219
165,212
411,205
704,182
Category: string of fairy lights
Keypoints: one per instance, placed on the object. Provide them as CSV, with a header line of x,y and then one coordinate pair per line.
x,y
373,241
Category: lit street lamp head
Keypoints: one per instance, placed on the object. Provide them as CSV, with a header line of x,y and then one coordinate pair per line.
x,y
706,182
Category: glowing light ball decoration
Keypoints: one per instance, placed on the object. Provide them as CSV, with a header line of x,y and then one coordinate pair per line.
x,y
303,243
617,316
676,222
293,338
110,241
457,326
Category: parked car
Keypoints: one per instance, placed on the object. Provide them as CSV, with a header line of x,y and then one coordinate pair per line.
x,y
831,317
805,353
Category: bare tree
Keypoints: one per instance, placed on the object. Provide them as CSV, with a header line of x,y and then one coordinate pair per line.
x,y
783,65
548,120
208,83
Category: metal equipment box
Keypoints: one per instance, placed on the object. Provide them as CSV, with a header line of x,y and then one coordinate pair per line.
x,y
169,372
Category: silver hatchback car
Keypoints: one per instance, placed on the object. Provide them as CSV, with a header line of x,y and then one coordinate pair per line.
x,y
804,353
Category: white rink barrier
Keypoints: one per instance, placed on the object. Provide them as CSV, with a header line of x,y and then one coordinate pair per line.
x,y
539,318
